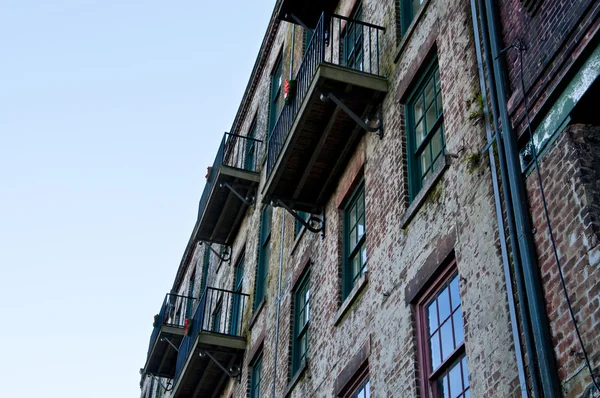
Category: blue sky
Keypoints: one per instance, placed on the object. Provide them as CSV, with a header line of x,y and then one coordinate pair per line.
x,y
110,112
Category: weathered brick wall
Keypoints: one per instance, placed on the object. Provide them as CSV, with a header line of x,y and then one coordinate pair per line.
x,y
570,175
554,35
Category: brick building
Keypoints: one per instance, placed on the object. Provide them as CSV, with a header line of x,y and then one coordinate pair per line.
x,y
373,224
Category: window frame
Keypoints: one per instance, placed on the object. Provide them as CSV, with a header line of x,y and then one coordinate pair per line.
x,y
236,306
256,370
349,280
414,151
427,375
299,333
407,13
353,44
250,150
205,267
264,255
275,93
357,384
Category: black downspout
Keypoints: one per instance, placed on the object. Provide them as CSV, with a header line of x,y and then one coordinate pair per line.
x,y
520,284
537,305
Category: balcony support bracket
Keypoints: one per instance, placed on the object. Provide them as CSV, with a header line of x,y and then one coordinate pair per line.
x,y
231,372
293,17
248,200
377,128
171,344
313,224
168,388
225,257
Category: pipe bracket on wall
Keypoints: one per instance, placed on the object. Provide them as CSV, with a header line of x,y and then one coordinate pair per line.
x,y
376,127
247,199
223,256
313,224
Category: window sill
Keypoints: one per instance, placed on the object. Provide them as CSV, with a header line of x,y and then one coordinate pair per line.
x,y
296,378
360,285
256,314
409,32
419,200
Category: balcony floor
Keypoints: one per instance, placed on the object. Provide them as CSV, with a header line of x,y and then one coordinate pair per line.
x,y
322,137
202,377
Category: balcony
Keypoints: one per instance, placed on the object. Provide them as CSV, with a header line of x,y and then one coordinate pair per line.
x,y
167,335
230,188
306,12
212,350
338,85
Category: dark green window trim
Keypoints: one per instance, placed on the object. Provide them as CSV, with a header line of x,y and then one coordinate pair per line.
x,y
298,225
216,316
308,34
408,11
424,128
353,42
264,255
275,100
301,321
355,252
256,376
236,307
188,313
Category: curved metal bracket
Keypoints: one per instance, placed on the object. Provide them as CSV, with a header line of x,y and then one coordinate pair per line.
x,y
226,256
229,372
377,128
312,220
247,200
169,386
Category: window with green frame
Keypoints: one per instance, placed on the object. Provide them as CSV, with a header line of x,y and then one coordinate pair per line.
x,y
205,265
256,376
276,100
264,255
250,153
301,318
236,305
425,128
355,250
298,225
216,317
408,10
353,41
308,34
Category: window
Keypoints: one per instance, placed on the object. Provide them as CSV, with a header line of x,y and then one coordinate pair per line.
x,y
264,255
359,385
355,257
250,152
308,34
425,128
353,41
444,371
301,318
409,9
205,265
190,302
276,101
256,376
298,225
363,390
236,305
216,317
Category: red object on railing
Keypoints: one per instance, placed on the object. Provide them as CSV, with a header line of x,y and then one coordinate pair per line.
x,y
186,327
289,89
208,170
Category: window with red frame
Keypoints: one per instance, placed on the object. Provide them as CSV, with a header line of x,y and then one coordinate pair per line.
x,y
359,386
444,371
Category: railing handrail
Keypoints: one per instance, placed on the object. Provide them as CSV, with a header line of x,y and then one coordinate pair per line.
x,y
243,136
358,22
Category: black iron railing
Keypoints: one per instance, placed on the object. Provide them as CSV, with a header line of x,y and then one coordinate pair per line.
x,y
174,311
220,312
235,151
337,41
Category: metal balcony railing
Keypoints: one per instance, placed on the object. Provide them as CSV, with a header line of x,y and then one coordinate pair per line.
x,y
336,40
220,312
236,151
174,311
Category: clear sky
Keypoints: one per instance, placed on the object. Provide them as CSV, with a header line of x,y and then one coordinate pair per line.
x,y
110,112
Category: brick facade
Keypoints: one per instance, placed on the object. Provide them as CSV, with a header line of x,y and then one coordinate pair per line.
x,y
408,244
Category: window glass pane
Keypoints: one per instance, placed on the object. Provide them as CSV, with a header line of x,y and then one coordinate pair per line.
x,y
437,144
363,256
454,292
465,371
352,220
418,109
360,228
455,381
444,304
425,161
368,389
459,332
429,93
431,117
433,318
419,134
447,339
416,4
435,350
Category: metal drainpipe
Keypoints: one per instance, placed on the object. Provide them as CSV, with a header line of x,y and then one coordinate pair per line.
x,y
498,203
537,305
521,291
278,301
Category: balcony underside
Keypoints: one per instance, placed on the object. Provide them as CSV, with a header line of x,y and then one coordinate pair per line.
x,y
322,137
224,210
201,376
163,357
307,11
